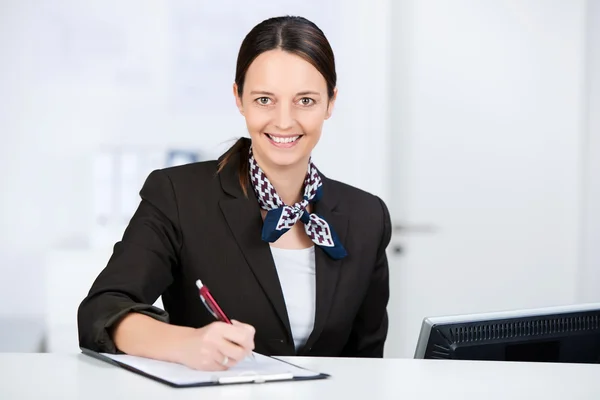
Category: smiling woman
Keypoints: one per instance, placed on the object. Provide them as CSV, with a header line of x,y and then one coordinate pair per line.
x,y
298,258
285,101
285,87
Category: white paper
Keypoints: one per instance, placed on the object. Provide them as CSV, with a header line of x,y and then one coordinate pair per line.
x,y
262,367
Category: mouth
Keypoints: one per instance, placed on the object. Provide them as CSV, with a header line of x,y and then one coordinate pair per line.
x,y
283,141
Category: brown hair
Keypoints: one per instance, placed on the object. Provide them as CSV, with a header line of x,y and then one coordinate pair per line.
x,y
295,35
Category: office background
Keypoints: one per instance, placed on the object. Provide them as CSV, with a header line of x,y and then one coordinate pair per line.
x,y
477,122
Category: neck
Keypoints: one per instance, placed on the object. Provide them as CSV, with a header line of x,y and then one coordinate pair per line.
x,y
288,181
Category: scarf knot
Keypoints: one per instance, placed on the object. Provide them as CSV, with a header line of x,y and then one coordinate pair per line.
x,y
281,217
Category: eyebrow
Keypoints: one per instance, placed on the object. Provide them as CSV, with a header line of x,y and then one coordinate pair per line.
x,y
304,93
308,92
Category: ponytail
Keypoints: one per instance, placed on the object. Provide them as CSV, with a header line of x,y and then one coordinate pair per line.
x,y
241,148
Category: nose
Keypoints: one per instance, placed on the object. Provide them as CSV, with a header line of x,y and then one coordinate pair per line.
x,y
285,119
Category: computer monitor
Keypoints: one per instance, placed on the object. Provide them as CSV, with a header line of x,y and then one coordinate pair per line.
x,y
553,334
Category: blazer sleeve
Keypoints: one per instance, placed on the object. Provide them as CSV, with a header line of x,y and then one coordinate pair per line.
x,y
370,327
139,270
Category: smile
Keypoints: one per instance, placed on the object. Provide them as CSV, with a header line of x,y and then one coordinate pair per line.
x,y
283,141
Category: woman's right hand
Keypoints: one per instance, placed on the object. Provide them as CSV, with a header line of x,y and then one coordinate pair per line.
x,y
217,346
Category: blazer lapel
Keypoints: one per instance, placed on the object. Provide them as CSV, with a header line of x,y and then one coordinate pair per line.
x,y
244,219
327,269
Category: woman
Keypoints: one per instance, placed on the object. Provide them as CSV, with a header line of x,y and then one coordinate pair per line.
x,y
309,278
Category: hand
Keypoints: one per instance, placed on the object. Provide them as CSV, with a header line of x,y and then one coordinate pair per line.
x,y
217,346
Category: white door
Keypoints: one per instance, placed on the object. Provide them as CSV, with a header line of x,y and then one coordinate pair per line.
x,y
486,106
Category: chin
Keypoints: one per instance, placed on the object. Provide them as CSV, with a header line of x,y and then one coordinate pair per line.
x,y
284,160
283,157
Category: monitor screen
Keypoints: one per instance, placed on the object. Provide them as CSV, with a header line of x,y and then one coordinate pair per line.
x,y
553,334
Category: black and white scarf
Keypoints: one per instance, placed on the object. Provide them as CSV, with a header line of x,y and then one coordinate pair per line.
x,y
281,217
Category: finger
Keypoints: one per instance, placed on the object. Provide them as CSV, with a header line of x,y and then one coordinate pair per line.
x,y
214,365
217,361
250,328
231,350
240,336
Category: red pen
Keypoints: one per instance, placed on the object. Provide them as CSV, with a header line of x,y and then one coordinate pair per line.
x,y
211,305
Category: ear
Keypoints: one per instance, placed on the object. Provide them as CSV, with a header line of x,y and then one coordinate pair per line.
x,y
238,100
331,104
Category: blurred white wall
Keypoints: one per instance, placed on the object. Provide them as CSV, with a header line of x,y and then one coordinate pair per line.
x,y
589,283
488,108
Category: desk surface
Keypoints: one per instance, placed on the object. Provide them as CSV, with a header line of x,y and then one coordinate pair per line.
x,y
77,376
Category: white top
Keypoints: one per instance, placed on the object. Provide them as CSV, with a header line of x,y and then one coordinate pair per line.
x,y
296,270
76,376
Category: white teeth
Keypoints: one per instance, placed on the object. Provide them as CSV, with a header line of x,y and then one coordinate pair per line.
x,y
284,140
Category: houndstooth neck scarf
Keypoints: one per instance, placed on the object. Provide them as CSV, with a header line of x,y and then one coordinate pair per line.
x,y
281,217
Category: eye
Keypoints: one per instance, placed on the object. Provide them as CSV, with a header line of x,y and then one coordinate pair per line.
x,y
306,101
263,101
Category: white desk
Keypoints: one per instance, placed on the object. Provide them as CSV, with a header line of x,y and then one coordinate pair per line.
x,y
76,376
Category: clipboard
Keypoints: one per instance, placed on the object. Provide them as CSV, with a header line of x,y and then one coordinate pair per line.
x,y
263,369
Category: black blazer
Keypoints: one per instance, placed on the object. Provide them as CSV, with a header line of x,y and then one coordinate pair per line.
x,y
193,223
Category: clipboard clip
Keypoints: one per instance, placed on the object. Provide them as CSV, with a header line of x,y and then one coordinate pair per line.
x,y
255,378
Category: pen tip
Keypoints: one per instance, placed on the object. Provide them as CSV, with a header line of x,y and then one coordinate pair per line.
x,y
199,284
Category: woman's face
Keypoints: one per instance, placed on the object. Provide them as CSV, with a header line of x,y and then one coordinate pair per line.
x,y
285,103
